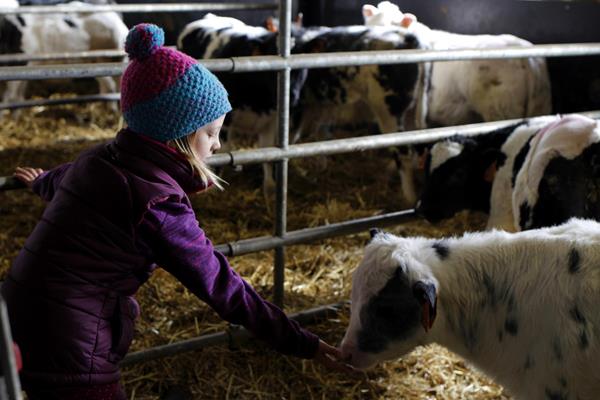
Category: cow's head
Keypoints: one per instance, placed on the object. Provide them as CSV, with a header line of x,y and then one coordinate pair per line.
x,y
394,299
386,14
458,176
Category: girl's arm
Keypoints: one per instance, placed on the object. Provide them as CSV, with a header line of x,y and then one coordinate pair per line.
x,y
43,183
183,250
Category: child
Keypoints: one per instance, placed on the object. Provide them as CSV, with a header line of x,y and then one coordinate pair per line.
x,y
115,213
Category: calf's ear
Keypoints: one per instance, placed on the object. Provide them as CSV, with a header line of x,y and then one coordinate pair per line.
x,y
374,232
426,294
368,10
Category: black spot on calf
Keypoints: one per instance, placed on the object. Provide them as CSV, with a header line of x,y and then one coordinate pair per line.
x,y
441,249
555,395
70,22
577,315
529,362
21,21
574,261
511,326
557,349
392,314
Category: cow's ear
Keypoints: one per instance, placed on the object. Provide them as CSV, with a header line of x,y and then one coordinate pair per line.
x,y
491,160
426,295
368,10
270,24
374,232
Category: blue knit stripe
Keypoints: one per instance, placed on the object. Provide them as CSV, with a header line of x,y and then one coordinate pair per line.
x,y
195,99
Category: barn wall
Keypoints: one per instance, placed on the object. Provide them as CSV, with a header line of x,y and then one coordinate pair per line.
x,y
537,21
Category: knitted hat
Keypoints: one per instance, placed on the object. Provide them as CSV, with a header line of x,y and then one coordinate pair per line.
x,y
165,94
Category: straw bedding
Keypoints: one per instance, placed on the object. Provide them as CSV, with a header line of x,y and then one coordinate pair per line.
x,y
348,187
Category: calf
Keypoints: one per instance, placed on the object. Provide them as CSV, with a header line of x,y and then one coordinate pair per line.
x,y
476,173
520,307
536,173
560,176
469,91
55,33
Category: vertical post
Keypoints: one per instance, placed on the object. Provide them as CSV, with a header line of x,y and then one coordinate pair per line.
x,y
281,167
12,386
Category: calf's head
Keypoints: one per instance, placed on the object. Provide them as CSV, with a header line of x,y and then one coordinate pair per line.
x,y
394,298
458,176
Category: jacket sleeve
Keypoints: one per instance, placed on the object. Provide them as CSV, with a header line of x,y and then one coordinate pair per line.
x,y
48,182
181,247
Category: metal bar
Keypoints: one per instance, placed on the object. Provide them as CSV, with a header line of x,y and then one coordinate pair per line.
x,y
67,100
281,167
344,58
74,55
234,334
341,146
7,356
264,243
10,183
137,8
77,55
362,143
319,60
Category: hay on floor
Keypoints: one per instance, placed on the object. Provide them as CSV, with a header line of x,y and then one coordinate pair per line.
x,y
348,187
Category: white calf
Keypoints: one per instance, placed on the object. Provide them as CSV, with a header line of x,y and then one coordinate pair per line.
x,y
463,92
522,307
57,33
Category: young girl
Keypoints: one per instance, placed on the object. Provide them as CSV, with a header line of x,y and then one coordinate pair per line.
x,y
115,213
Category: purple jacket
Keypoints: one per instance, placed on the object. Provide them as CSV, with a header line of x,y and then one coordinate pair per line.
x,y
113,214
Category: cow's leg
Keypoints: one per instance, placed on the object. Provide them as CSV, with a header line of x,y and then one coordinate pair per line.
x,y
267,138
15,92
107,85
405,158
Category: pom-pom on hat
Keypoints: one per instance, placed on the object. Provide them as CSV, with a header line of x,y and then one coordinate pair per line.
x,y
166,94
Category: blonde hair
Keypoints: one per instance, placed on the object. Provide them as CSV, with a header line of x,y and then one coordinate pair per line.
x,y
184,146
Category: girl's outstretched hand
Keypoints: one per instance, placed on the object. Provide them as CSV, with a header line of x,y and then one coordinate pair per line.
x,y
331,358
27,174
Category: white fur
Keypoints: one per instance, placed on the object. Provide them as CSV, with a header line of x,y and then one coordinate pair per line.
x,y
443,151
463,91
9,4
213,23
486,279
566,137
501,209
49,33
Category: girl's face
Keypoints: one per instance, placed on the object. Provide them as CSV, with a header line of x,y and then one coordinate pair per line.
x,y
205,140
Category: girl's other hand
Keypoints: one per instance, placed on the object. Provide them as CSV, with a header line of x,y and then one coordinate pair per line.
x,y
27,175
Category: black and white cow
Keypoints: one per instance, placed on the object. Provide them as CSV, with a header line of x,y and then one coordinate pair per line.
x,y
540,172
57,33
469,91
521,307
391,95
